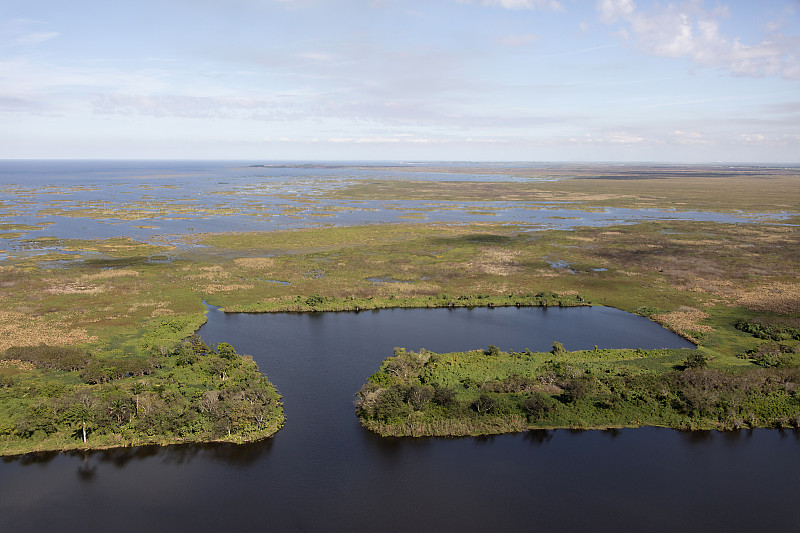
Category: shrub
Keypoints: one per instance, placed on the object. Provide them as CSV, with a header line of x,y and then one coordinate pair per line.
x,y
315,300
538,405
576,389
492,350
484,404
695,360
418,396
558,349
444,396
67,358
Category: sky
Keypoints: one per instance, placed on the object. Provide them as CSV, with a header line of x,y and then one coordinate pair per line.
x,y
467,80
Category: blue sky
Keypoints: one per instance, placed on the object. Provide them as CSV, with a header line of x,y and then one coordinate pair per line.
x,y
532,80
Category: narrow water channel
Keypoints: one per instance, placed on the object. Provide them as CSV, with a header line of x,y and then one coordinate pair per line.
x,y
323,472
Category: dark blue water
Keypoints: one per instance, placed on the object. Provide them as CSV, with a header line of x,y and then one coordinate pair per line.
x,y
323,472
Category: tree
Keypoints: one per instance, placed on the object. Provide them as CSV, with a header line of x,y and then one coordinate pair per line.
x,y
80,416
119,408
576,389
418,396
390,404
444,396
537,405
484,404
558,349
226,351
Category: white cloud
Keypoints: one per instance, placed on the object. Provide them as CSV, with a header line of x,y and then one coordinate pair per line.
x,y
554,5
381,140
623,138
611,10
752,137
688,30
688,137
610,138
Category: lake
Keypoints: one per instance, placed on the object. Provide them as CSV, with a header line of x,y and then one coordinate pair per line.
x,y
323,471
162,201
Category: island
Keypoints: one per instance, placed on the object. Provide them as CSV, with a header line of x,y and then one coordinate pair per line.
x,y
491,391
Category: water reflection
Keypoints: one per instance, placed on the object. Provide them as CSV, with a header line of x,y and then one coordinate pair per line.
x,y
86,472
613,433
698,436
539,437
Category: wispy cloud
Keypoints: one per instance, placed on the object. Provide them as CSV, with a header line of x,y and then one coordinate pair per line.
x,y
26,32
688,30
580,51
554,5
688,137
37,37
183,106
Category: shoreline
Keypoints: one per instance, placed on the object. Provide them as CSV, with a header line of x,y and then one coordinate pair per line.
x,y
79,447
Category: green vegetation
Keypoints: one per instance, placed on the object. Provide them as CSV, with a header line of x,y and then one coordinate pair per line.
x,y
60,398
94,316
490,391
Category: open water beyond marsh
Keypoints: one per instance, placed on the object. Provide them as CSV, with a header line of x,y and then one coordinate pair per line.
x,y
324,472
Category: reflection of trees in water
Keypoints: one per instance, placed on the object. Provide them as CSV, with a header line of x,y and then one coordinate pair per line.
x,y
789,433
237,455
738,435
697,437
538,437
32,458
85,471
231,454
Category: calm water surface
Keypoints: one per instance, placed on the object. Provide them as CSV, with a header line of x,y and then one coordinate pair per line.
x,y
323,472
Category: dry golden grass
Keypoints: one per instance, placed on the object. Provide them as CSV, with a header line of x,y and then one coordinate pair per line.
x,y
208,273
683,320
700,242
111,274
498,262
17,364
225,288
408,289
776,297
19,329
75,288
254,262
159,308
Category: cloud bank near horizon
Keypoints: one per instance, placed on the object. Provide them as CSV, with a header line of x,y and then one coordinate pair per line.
x,y
381,79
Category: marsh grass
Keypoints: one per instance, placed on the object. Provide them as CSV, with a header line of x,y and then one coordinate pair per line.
x,y
125,298
749,190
